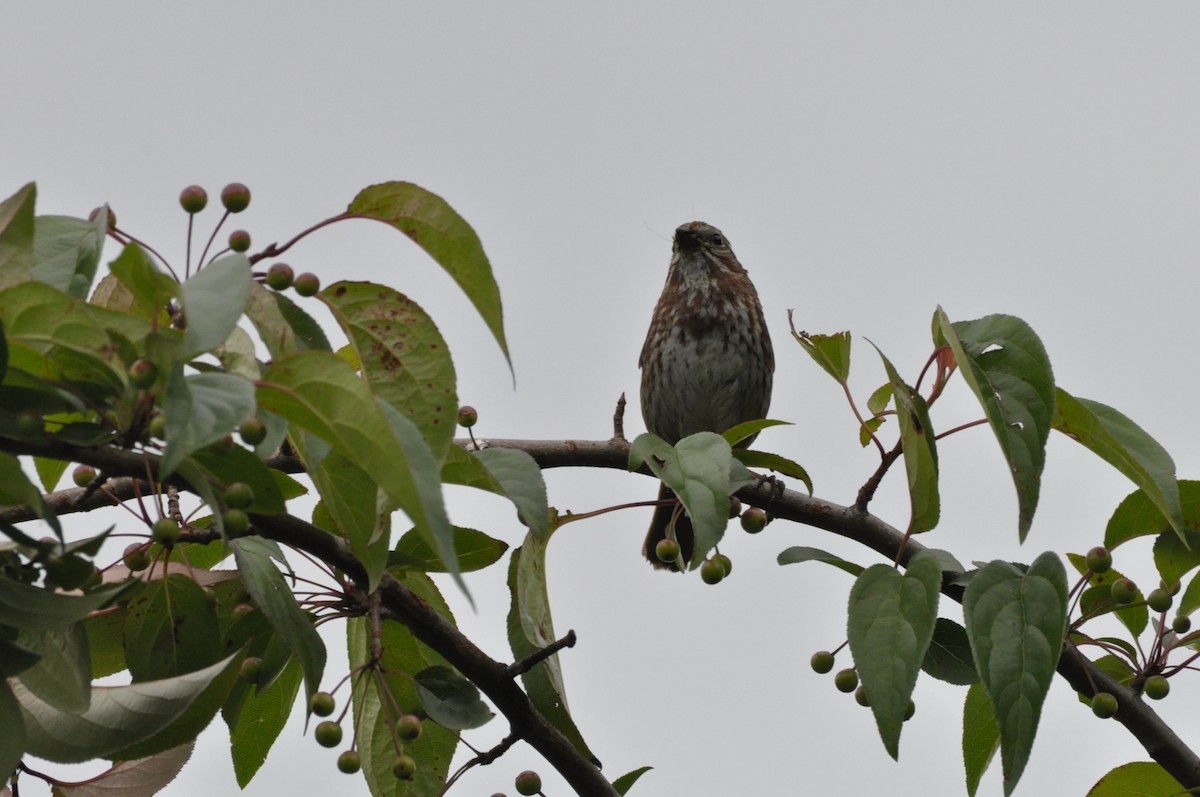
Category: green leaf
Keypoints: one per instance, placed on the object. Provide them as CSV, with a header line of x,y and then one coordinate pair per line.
x,y
260,722
1004,363
1138,516
213,300
240,465
308,335
106,644
54,337
1175,555
16,236
475,550
403,656
920,451
890,625
237,355
357,509
747,430
1123,444
450,699
980,737
521,479
320,392
949,656
142,777
16,490
171,629
200,410
703,473
67,250
1016,621
272,595
878,401
34,608
1140,778
121,719
434,226
63,675
402,355
14,657
801,553
831,352
782,465
530,629
624,783
148,288
50,471
12,741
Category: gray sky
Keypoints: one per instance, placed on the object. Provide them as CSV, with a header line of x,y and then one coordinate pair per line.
x,y
869,161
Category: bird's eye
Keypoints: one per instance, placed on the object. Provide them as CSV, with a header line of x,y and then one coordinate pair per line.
x,y
717,240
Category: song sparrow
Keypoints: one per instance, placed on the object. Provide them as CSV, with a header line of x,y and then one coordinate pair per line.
x,y
707,362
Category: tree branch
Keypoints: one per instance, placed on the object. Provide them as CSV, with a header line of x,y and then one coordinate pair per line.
x,y
1155,735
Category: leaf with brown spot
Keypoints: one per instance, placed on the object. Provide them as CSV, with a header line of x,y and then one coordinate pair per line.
x,y
403,356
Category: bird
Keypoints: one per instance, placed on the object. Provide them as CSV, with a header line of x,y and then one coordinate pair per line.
x,y
707,363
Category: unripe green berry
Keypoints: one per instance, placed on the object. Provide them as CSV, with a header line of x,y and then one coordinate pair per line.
x,y
193,199
712,571
322,704
135,557
349,762
404,768
30,424
467,416
735,507
1099,560
1159,600
239,240
307,284
846,680
667,550
912,709
239,495
1104,705
236,522
69,571
158,427
1173,589
860,696
1124,591
83,475
252,431
1156,687
528,782
328,733
142,374
725,563
754,520
251,669
408,727
821,661
280,277
1181,624
235,197
166,532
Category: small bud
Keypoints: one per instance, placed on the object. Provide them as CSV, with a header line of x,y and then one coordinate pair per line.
x,y
112,217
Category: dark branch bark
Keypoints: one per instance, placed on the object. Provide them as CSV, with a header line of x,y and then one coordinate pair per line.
x,y
1159,740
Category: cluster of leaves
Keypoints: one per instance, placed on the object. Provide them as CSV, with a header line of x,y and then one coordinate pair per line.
x,y
1017,617
160,366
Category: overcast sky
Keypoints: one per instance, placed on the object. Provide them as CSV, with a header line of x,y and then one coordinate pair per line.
x,y
868,161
